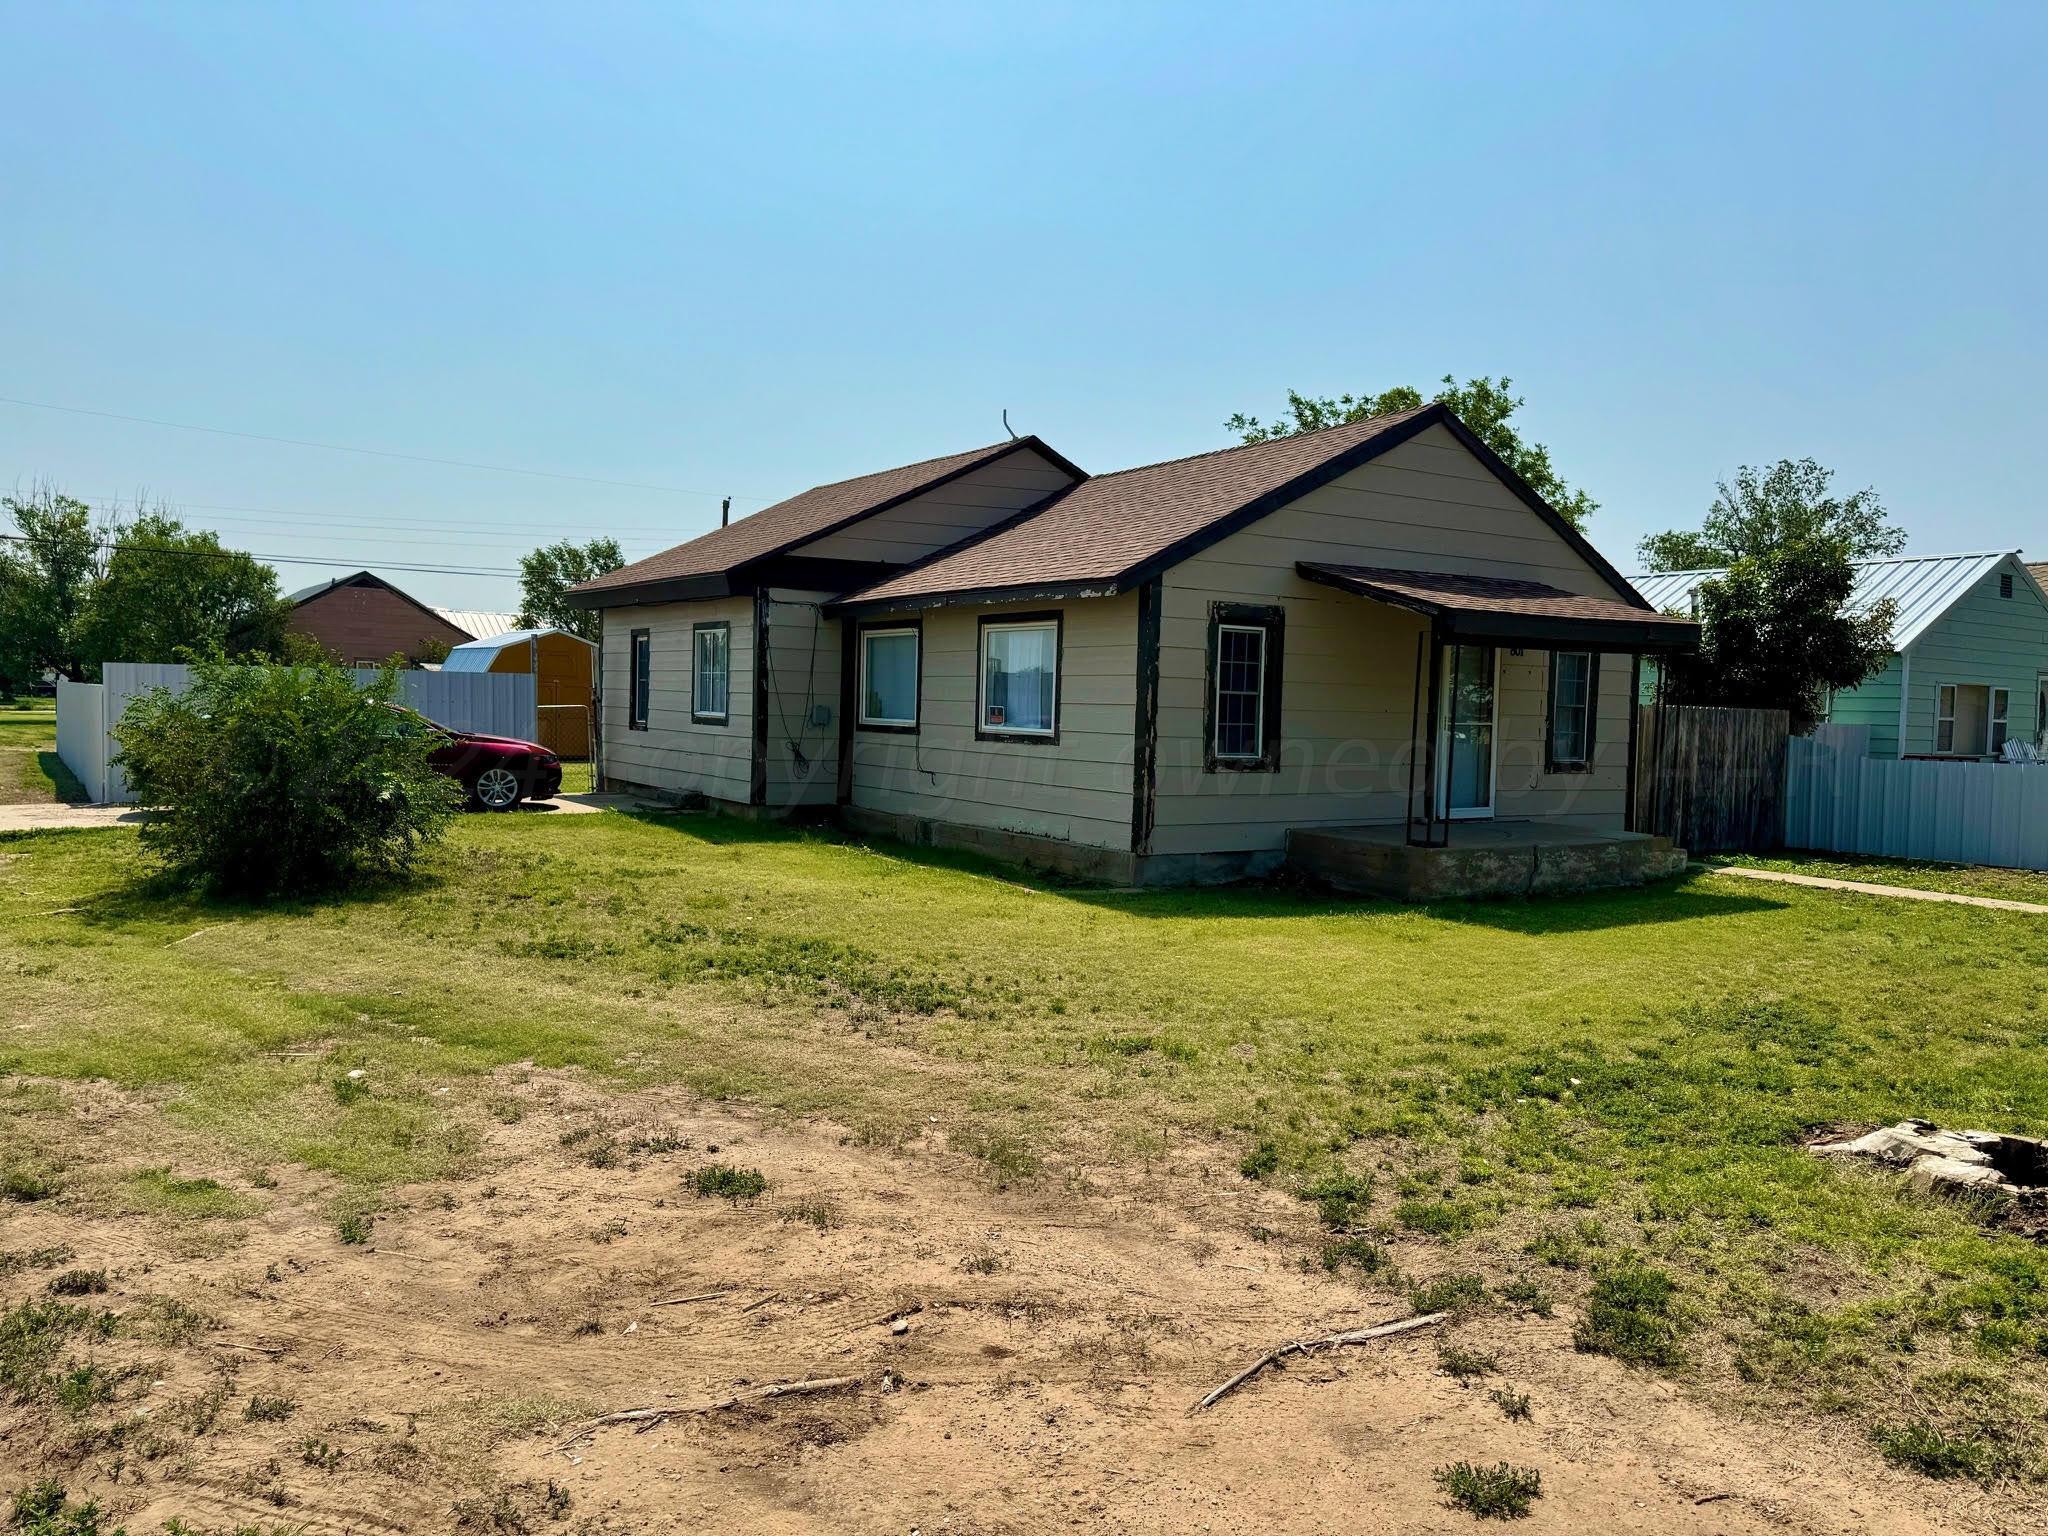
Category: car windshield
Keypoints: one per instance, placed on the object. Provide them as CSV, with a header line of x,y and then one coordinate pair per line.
x,y
414,717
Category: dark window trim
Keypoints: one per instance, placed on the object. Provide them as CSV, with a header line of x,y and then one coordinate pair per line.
x,y
1057,618
1550,763
1273,620
697,717
860,660
636,716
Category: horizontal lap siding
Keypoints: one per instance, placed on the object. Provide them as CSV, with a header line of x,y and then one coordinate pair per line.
x,y
672,753
803,670
1349,665
1077,789
946,515
1984,638
1875,704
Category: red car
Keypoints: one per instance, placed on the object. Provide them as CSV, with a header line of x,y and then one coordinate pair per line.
x,y
498,771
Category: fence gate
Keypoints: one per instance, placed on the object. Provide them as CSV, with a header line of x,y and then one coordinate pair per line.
x,y
1712,780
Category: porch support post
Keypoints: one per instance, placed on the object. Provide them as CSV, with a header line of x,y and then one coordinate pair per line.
x,y
1436,678
1414,740
1635,710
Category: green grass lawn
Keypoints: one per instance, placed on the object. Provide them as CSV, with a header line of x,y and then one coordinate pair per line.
x,y
1551,1094
1919,874
29,770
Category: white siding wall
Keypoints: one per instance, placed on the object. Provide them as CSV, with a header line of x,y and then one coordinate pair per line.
x,y
945,515
1349,665
1077,789
803,670
673,754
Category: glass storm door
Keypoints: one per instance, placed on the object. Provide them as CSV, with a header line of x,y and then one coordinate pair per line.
x,y
1465,747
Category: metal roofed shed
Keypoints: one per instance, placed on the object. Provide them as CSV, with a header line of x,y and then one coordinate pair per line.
x,y
565,670
479,623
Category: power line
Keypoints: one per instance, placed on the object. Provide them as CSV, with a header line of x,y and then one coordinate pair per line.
x,y
375,453
238,554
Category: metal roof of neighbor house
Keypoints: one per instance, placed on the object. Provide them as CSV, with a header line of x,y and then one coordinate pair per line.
x,y
478,623
1924,586
773,530
1506,606
477,655
1112,531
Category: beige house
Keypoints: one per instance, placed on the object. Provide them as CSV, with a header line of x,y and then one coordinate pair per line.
x,y
1372,647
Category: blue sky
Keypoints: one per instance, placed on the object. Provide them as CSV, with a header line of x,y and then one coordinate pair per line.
x,y
742,249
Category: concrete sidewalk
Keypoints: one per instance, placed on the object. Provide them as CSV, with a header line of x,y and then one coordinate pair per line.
x,y
1864,887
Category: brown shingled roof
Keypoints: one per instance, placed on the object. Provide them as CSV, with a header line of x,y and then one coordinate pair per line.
x,y
1502,605
1113,531
808,515
2038,569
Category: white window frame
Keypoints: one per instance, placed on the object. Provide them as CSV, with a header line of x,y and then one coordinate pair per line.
x,y
1994,716
639,672
1583,763
1997,721
698,633
1258,750
893,631
1048,732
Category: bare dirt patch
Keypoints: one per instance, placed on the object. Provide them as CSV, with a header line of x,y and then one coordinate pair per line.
x,y
1024,1358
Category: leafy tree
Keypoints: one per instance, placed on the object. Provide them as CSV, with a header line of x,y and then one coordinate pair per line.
x,y
1776,633
46,571
1483,404
1767,508
548,573
169,591
264,780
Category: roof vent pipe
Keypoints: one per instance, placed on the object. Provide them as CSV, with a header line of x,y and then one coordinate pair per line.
x,y
725,512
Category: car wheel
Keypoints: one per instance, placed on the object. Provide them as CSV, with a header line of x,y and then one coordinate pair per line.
x,y
496,789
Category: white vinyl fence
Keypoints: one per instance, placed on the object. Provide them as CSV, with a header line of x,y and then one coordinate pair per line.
x,y
1840,801
495,703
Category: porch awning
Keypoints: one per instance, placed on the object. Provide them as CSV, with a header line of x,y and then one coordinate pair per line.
x,y
1502,611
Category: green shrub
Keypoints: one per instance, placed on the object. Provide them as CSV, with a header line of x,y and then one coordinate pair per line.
x,y
1630,1316
269,779
1930,1451
1341,1198
1498,1492
1449,1293
730,1183
42,1510
1260,1162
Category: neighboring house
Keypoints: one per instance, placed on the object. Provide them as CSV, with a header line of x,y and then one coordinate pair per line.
x,y
363,621
1970,640
1155,675
565,668
480,624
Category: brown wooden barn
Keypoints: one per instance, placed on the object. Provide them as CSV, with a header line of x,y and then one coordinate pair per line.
x,y
565,666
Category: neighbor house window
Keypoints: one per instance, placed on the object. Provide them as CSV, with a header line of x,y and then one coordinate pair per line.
x,y
1020,678
1574,691
1967,718
1244,688
888,678
711,677
641,645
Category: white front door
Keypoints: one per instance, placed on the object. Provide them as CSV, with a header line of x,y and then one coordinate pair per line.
x,y
1465,736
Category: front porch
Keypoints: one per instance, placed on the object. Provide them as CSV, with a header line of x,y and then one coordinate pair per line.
x,y
1479,858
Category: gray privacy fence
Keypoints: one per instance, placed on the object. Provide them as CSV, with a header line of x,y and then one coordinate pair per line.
x,y
494,703
1839,801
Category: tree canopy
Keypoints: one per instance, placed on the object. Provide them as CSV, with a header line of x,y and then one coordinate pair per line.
x,y
546,575
75,593
1776,633
1483,404
1766,509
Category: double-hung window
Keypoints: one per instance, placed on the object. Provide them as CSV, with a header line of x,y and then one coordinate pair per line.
x,y
711,673
1970,719
1574,695
640,644
1244,688
1020,678
888,678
